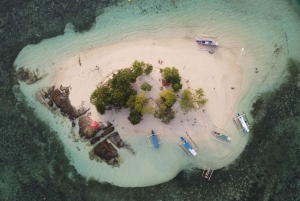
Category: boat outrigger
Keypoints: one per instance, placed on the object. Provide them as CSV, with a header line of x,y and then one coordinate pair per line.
x,y
207,42
223,138
242,121
187,146
155,140
207,173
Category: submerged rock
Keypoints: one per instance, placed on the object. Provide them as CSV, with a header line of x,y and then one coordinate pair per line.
x,y
28,76
116,140
105,151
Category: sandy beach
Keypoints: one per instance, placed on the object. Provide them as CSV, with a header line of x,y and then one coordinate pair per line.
x,y
227,76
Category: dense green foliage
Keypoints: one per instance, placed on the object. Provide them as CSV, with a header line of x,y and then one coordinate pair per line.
x,y
146,87
148,69
172,76
164,112
140,67
189,99
166,99
187,102
135,117
117,93
165,115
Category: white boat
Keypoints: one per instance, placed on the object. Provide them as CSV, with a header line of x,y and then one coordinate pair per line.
x,y
207,42
243,123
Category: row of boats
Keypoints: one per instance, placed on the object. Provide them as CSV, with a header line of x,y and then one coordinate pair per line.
x,y
189,148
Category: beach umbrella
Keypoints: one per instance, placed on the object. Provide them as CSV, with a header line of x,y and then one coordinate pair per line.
x,y
95,125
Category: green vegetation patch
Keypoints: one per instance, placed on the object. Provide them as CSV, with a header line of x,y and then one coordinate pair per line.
x,y
172,76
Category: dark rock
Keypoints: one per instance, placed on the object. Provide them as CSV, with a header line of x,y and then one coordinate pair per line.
x,y
50,90
95,139
107,131
105,151
62,101
84,127
73,124
23,74
116,140
107,126
50,103
45,94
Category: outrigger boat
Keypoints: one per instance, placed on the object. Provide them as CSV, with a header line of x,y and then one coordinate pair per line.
x,y
245,127
207,173
225,137
155,140
207,42
188,146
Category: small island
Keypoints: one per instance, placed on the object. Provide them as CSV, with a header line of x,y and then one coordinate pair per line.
x,y
103,103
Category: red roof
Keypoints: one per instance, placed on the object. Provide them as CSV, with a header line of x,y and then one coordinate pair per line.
x,y
95,125
164,82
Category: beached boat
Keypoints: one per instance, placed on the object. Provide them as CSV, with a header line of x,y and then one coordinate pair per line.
x,y
188,146
243,123
225,137
206,42
154,138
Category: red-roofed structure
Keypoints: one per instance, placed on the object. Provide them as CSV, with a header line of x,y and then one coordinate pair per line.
x,y
164,82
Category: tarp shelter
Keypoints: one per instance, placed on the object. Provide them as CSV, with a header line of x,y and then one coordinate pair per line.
x,y
164,82
95,125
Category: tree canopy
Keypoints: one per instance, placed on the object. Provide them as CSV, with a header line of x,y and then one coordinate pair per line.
x,y
167,98
189,100
146,87
172,76
164,112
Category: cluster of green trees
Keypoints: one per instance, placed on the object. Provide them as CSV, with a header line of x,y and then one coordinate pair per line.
x,y
119,89
172,76
189,100
166,100
119,93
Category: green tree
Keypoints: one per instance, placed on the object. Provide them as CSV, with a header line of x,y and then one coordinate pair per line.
x,y
122,79
199,97
140,102
165,115
101,98
146,87
135,117
138,67
131,102
187,101
167,98
148,69
172,76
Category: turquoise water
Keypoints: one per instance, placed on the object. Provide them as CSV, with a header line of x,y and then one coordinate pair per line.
x,y
33,166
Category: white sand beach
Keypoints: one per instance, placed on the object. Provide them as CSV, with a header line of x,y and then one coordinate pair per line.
x,y
230,87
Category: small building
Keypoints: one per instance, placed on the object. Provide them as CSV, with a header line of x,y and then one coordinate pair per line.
x,y
164,82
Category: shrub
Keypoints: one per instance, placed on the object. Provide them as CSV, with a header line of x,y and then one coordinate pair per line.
x,y
146,87
135,117
199,97
172,76
165,115
187,101
148,69
167,98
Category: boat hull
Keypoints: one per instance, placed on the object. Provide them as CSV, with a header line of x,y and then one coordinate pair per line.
x,y
154,138
188,146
